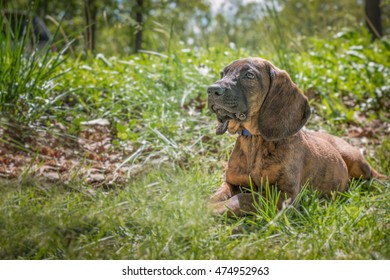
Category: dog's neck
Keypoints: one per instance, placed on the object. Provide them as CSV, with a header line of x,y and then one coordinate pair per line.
x,y
246,128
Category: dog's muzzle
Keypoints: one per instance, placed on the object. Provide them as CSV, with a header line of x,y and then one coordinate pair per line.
x,y
224,113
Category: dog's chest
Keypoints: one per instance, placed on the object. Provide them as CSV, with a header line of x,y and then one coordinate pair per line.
x,y
252,162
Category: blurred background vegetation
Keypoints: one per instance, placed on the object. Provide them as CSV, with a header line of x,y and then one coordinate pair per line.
x,y
123,27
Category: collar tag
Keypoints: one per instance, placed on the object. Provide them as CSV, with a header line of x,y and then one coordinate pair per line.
x,y
245,132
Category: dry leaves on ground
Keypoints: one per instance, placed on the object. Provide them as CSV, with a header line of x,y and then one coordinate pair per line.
x,y
91,156
54,155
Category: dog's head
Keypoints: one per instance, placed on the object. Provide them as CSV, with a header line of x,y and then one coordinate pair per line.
x,y
255,95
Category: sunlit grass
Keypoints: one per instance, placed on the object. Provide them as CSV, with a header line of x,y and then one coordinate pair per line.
x,y
165,216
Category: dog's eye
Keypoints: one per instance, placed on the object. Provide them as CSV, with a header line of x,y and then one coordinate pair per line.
x,y
249,75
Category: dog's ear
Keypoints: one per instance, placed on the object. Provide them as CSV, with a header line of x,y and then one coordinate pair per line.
x,y
285,109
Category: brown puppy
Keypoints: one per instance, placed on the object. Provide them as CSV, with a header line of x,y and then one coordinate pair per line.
x,y
260,102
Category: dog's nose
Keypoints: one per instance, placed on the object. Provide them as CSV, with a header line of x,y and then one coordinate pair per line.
x,y
215,89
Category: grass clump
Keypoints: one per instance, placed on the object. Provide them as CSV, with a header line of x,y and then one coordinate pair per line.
x,y
28,76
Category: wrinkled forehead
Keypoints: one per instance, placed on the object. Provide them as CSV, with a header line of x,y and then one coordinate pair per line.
x,y
245,64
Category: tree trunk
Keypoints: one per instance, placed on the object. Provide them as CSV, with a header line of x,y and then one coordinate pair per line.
x,y
139,19
90,22
373,18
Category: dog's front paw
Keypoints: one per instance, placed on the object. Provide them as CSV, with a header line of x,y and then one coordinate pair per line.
x,y
222,194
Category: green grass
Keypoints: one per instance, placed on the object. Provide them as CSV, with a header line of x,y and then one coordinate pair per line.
x,y
156,103
27,76
165,216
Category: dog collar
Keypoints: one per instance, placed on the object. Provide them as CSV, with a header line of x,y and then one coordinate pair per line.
x,y
245,132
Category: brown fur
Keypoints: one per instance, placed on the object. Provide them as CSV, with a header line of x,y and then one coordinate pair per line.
x,y
278,150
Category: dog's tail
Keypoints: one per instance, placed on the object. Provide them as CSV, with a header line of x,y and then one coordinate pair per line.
x,y
362,169
376,175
